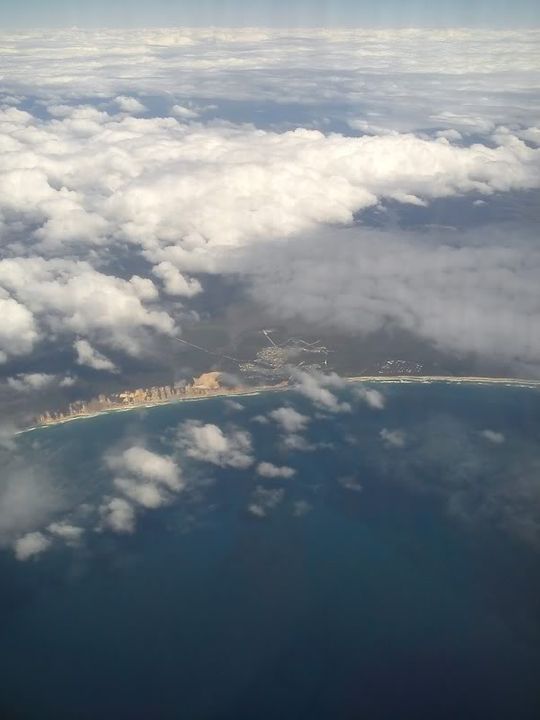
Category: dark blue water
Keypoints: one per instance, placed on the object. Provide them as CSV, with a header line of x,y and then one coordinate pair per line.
x,y
416,597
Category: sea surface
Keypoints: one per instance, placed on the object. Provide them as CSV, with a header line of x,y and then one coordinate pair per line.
x,y
388,580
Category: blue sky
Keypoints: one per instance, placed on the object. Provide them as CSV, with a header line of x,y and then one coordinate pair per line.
x,y
387,13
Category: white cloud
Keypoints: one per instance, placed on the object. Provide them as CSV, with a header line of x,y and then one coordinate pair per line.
x,y
493,436
267,469
297,443
393,438
27,382
28,499
265,500
147,465
314,385
81,184
130,104
456,68
71,534
18,331
72,297
148,479
472,292
118,515
147,494
174,282
373,398
87,355
208,443
289,419
30,545
183,112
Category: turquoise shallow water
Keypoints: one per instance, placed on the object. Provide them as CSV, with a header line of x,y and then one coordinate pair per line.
x,y
388,582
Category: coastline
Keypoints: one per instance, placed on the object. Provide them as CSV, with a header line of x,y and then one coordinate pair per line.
x,y
257,390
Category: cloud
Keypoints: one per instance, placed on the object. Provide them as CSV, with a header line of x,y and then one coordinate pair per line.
x,y
184,113
129,104
314,385
28,498
145,464
208,443
146,478
87,355
71,297
147,494
27,382
457,69
71,534
18,331
297,443
174,282
265,500
87,194
371,397
267,469
350,483
470,292
493,437
301,508
118,515
30,545
289,419
393,438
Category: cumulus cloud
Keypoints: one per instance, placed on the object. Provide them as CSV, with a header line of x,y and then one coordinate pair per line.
x,y
183,112
70,534
146,464
72,297
147,494
129,104
393,438
18,331
289,419
493,436
174,282
315,386
264,501
267,469
118,515
27,382
297,443
371,397
144,477
208,443
89,356
30,545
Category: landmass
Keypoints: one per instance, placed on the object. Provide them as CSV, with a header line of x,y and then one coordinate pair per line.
x,y
209,385
206,385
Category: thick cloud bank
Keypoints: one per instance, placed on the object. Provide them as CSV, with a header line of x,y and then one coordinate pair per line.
x,y
437,78
179,197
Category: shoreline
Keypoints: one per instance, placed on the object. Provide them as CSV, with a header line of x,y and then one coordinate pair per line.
x,y
246,392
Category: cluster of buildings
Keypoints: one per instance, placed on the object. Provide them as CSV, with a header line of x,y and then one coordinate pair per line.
x,y
205,384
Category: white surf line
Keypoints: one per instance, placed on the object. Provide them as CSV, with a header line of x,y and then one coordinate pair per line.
x,y
451,379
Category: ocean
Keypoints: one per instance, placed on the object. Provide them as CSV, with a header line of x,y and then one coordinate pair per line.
x,y
395,575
